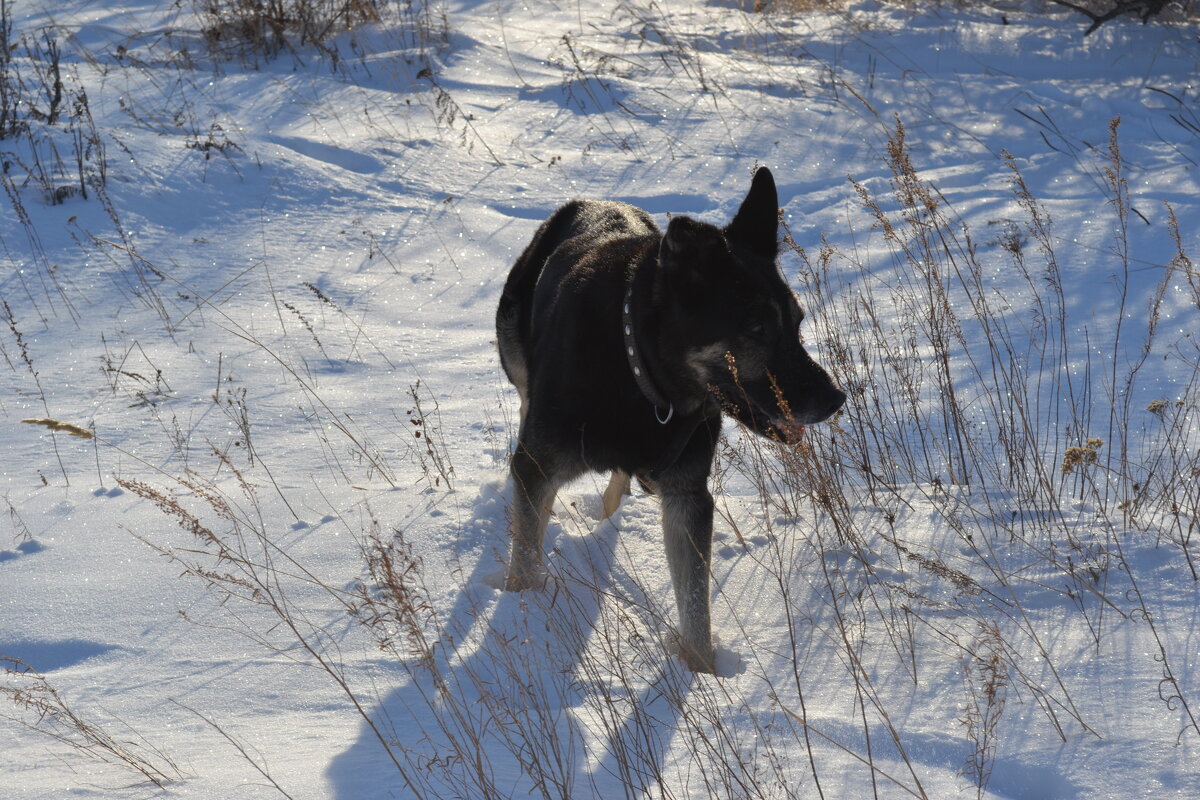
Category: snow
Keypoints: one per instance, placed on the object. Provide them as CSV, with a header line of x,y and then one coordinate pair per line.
x,y
289,254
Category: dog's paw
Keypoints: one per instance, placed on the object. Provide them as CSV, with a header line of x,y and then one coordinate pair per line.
x,y
719,661
698,658
706,665
519,582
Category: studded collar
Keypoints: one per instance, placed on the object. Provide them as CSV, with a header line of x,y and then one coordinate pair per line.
x,y
637,364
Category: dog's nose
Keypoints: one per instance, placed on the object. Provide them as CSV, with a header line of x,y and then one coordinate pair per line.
x,y
838,399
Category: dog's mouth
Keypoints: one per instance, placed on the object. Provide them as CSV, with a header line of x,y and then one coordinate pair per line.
x,y
787,432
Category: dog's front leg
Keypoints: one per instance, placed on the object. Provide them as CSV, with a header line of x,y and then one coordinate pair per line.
x,y
618,488
533,494
687,529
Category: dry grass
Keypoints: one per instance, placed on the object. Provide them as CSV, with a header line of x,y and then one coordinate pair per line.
x,y
1015,462
236,28
40,708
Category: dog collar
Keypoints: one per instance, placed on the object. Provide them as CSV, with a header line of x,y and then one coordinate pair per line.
x,y
640,375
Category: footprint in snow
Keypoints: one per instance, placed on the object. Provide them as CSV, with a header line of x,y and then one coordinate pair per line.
x,y
25,548
63,509
331,154
46,656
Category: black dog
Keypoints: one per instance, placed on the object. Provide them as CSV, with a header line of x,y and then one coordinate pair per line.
x,y
625,345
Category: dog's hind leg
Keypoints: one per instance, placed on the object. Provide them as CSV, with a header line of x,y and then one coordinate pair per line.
x,y
533,494
618,487
687,529
523,392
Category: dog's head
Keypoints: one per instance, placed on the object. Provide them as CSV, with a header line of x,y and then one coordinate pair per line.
x,y
732,317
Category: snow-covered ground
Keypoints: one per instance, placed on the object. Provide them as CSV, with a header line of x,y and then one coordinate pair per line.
x,y
275,315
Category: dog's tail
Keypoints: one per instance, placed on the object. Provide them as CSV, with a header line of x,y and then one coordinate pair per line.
x,y
514,314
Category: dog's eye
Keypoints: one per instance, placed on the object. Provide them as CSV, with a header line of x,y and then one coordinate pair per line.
x,y
757,331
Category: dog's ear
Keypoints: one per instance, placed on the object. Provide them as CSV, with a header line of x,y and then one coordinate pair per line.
x,y
756,224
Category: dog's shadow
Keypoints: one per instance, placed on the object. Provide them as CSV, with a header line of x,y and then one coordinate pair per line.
x,y
524,688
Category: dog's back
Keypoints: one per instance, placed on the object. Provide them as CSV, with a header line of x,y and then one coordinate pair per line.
x,y
575,229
